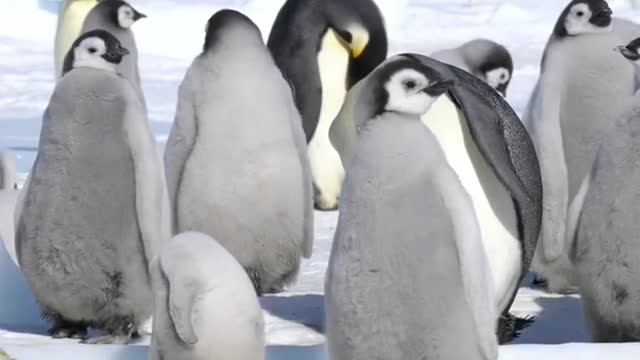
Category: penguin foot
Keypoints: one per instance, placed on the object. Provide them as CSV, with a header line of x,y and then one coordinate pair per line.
x,y
64,330
107,340
120,330
510,327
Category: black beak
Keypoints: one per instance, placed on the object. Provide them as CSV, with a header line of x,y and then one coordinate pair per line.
x,y
121,51
115,56
439,87
628,53
502,89
138,15
604,12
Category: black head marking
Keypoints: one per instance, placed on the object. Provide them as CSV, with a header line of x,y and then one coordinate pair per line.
x,y
115,50
631,51
600,15
341,14
223,20
498,58
113,7
439,83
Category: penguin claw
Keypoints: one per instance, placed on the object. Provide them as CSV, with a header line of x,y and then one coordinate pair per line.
x,y
71,332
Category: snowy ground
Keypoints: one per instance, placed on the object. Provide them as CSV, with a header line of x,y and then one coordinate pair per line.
x,y
173,34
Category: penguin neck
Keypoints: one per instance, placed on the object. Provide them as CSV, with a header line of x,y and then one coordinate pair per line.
x,y
96,65
333,65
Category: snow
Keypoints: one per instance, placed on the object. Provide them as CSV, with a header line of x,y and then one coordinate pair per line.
x,y
167,41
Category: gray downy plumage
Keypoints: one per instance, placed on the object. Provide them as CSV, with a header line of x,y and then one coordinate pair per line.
x,y
207,310
407,276
117,17
573,104
95,208
606,250
236,161
500,139
485,59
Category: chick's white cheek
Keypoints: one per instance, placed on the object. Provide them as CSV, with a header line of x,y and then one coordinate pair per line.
x,y
125,17
497,77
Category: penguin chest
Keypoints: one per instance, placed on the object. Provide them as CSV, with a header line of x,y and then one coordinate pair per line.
x,y
333,64
69,26
493,205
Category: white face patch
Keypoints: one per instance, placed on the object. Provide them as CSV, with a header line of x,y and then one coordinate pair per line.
x,y
406,93
89,54
497,77
125,16
577,21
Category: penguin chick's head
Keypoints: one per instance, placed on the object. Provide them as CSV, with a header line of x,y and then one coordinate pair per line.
x,y
631,51
98,49
584,17
232,25
498,78
407,86
122,14
497,69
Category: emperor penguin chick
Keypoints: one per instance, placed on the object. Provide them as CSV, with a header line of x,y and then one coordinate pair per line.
x,y
206,310
237,167
407,277
95,208
606,252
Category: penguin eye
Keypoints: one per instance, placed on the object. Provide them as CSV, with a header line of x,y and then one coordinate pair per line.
x,y
580,13
92,50
410,84
503,77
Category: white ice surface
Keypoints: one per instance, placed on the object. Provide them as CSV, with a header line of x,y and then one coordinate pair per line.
x,y
168,39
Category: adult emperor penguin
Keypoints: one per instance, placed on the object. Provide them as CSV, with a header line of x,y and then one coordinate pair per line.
x,y
487,146
407,276
322,49
241,173
96,207
207,310
70,20
606,252
116,17
571,107
483,58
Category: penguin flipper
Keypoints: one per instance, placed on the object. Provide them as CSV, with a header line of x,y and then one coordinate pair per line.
x,y
181,296
506,146
543,124
152,201
180,144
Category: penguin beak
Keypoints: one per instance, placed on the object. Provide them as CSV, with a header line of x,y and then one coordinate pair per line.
x,y
627,53
356,38
138,15
605,12
438,87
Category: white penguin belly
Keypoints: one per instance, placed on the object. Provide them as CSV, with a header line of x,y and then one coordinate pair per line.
x,y
326,166
493,204
68,28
